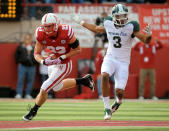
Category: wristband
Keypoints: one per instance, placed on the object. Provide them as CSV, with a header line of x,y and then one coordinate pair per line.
x,y
62,57
42,62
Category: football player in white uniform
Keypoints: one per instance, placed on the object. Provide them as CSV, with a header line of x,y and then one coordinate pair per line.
x,y
120,32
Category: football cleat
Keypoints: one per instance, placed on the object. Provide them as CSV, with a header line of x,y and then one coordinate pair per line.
x,y
90,83
30,115
108,114
114,107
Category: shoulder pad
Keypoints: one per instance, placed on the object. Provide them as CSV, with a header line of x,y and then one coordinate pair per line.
x,y
136,26
108,18
67,30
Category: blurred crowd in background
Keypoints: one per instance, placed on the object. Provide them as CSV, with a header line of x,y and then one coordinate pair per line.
x,y
35,12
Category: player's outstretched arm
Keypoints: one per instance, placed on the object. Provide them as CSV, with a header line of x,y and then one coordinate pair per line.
x,y
92,27
146,38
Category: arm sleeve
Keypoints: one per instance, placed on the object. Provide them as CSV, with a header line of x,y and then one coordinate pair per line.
x,y
70,32
38,35
136,26
108,18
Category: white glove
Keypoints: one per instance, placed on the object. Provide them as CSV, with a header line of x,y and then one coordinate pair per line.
x,y
77,19
147,29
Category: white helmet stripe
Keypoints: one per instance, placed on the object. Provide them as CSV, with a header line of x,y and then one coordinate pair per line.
x,y
120,8
69,28
70,33
50,18
46,18
56,19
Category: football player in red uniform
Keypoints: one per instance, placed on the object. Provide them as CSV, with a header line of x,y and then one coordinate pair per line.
x,y
61,40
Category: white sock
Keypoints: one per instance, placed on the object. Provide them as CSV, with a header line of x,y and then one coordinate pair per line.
x,y
106,101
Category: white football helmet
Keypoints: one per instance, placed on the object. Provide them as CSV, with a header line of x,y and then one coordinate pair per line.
x,y
48,20
120,14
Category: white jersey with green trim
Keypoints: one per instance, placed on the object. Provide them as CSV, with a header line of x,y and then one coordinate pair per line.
x,y
120,41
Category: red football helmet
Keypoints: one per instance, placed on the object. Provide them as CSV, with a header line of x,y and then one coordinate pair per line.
x,y
50,23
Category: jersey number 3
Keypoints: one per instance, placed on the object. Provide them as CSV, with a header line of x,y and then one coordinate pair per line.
x,y
117,40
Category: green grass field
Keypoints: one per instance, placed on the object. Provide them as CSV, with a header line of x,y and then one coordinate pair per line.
x,y
67,109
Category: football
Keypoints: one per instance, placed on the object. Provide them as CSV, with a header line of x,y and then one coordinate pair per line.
x,y
53,56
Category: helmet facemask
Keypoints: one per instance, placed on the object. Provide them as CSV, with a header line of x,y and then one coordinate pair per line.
x,y
50,24
120,15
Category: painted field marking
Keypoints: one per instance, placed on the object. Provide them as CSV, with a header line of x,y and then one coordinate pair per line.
x,y
96,123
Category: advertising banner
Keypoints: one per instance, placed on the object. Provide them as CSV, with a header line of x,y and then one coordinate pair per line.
x,y
88,13
158,17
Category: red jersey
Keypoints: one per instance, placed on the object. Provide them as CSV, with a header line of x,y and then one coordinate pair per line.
x,y
99,60
59,45
147,53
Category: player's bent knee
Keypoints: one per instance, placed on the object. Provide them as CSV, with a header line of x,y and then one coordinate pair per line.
x,y
119,93
43,92
104,74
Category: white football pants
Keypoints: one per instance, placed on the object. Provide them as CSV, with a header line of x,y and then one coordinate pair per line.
x,y
118,68
56,74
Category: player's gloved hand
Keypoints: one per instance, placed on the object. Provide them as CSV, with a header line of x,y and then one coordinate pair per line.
x,y
77,19
48,61
57,61
147,30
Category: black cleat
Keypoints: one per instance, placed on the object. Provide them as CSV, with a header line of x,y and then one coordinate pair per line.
x,y
114,107
30,115
90,83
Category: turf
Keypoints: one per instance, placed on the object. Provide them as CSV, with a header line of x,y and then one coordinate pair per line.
x,y
58,110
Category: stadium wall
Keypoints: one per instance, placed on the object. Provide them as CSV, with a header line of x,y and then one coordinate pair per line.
x,y
156,14
8,70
